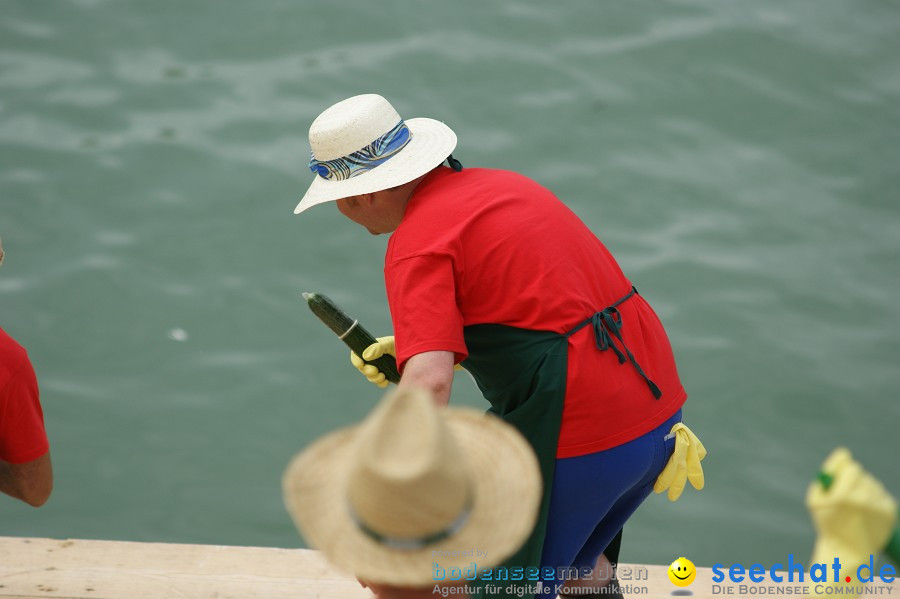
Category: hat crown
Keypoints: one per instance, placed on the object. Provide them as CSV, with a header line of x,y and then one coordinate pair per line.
x,y
361,145
351,125
409,479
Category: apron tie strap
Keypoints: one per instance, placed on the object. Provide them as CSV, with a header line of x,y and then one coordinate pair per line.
x,y
607,323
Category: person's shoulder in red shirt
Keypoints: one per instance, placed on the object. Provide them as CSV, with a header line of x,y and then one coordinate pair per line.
x,y
25,469
491,246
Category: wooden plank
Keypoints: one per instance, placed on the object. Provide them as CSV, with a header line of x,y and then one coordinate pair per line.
x,y
80,569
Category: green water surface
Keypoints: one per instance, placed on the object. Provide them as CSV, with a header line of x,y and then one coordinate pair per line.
x,y
739,158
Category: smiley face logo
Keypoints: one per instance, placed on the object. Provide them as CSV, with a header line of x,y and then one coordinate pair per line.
x,y
682,572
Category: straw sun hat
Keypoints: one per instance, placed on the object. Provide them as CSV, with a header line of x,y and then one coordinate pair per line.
x,y
361,145
412,485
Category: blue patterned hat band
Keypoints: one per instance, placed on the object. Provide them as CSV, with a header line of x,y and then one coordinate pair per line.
x,y
378,152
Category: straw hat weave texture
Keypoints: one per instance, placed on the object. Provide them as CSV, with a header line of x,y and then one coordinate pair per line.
x,y
412,471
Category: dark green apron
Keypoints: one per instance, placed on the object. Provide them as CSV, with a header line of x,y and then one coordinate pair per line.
x,y
522,373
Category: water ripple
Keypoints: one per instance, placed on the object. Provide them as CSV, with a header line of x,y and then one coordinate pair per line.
x,y
19,70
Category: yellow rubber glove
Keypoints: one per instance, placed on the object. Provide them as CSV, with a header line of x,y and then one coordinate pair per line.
x,y
684,465
382,345
854,516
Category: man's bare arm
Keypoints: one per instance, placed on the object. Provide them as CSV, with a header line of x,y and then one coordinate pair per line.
x,y
431,370
32,482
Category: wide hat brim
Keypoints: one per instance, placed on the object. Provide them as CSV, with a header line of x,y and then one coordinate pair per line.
x,y
506,488
429,145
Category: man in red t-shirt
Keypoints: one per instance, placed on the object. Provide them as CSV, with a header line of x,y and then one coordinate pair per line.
x,y
25,469
490,270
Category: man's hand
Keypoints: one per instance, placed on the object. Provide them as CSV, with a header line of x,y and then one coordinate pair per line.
x,y
684,465
382,346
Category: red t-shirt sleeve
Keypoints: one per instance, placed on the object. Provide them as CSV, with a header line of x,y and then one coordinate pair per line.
x,y
422,297
22,434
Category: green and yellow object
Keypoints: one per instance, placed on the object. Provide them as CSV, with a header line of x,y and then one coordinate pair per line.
x,y
352,333
853,513
383,346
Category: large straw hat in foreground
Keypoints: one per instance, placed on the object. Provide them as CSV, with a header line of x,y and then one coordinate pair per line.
x,y
412,486
362,145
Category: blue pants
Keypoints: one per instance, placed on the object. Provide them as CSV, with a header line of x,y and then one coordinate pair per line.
x,y
593,495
